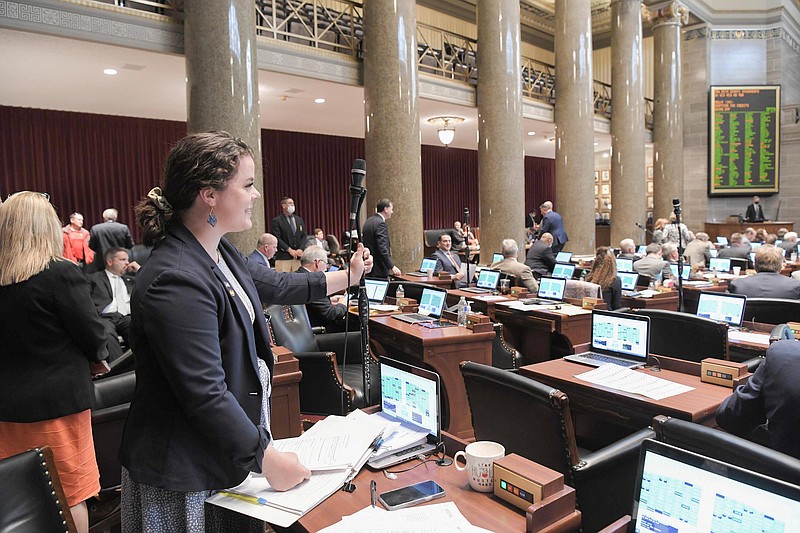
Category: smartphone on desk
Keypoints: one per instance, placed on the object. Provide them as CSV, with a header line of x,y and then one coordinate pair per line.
x,y
424,491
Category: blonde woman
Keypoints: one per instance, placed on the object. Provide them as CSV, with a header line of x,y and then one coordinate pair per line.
x,y
604,273
50,333
658,230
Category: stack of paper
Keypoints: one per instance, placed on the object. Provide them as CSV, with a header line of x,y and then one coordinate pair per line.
x,y
622,378
433,518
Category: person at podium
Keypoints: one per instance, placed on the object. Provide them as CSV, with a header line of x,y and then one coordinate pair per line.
x,y
754,211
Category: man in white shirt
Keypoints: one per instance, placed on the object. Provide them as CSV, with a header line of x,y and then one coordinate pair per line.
x,y
111,294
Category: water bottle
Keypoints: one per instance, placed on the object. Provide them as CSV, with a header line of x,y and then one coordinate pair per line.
x,y
401,293
462,312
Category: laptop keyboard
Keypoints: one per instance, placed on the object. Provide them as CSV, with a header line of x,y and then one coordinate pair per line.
x,y
596,359
438,324
413,317
539,301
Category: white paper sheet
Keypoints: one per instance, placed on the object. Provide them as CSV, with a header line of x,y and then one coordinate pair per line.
x,y
431,518
624,379
747,336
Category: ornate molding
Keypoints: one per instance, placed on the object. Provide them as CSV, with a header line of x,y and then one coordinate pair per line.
x,y
673,14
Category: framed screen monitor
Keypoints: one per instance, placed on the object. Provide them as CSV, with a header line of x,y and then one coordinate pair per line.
x,y
678,490
496,257
722,307
412,396
641,250
624,265
719,264
687,271
427,264
564,271
753,257
628,280
488,279
563,257
712,252
755,246
722,240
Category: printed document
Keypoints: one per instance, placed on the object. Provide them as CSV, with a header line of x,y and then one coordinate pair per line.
x,y
624,379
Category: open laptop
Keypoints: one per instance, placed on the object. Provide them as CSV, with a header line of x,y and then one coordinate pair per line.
x,y
411,396
722,307
487,281
563,270
722,240
376,294
617,338
628,281
678,490
427,264
624,264
551,292
497,257
719,264
687,272
431,304
755,246
642,250
563,257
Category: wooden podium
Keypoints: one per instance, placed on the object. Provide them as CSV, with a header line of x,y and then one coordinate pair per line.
x,y
725,229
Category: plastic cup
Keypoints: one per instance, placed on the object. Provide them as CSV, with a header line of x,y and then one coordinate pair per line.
x,y
737,270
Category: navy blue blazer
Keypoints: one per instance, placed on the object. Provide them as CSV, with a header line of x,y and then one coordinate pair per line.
x,y
554,225
193,421
258,257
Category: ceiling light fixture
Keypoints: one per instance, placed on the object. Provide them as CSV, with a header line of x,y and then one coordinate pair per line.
x,y
319,100
110,71
446,130
531,133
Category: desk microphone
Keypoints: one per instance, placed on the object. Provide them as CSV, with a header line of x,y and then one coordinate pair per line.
x,y
357,176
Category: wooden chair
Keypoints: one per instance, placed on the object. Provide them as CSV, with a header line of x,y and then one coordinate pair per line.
x,y
534,421
31,497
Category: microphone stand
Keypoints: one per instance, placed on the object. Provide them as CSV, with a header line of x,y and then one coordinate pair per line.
x,y
363,308
677,211
643,228
466,243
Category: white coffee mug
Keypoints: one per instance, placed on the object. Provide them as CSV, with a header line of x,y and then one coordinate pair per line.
x,y
737,270
480,457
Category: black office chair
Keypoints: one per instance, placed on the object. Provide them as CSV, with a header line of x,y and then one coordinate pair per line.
x,y
410,289
31,496
324,387
122,364
771,310
685,336
533,420
504,355
112,400
728,448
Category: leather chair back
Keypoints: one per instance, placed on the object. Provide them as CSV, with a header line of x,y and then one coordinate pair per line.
x,y
31,497
685,336
503,355
291,328
727,448
410,289
112,400
772,310
333,243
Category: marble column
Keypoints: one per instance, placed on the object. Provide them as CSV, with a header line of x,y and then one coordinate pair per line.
x,y
628,178
501,156
574,116
222,83
392,140
668,108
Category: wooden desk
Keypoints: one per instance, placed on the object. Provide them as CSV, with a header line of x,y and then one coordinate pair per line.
x,y
285,420
477,301
630,410
535,333
725,229
667,303
742,350
442,350
428,280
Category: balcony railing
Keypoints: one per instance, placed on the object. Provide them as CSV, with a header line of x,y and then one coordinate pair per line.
x,y
337,26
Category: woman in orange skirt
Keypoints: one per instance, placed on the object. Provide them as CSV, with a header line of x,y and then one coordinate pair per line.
x,y
50,333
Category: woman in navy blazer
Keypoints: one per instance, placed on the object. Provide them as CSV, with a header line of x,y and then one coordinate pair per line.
x,y
198,420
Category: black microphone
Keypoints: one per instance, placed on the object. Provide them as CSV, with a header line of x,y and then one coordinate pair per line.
x,y
466,216
357,185
643,228
676,206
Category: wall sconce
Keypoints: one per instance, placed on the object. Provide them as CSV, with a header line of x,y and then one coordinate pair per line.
x,y
447,131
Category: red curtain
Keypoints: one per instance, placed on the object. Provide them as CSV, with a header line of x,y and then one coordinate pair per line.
x,y
91,162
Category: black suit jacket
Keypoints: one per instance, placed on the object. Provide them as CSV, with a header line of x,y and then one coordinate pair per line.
x,y
296,240
766,285
101,288
322,312
541,258
193,423
375,236
49,333
754,216
107,235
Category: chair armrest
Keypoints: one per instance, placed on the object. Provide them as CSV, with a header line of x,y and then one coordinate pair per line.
x,y
615,453
318,330
109,414
753,363
321,388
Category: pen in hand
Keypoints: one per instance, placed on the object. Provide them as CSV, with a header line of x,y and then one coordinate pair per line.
x,y
373,491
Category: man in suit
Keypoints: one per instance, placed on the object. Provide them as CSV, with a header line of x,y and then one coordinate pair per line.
x,y
375,236
291,234
111,293
771,394
627,250
509,265
754,212
106,235
768,281
447,261
265,249
699,251
653,264
541,259
789,243
738,249
554,225
330,312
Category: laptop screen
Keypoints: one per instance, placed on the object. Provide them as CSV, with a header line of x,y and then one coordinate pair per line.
x,y
497,257
488,279
722,240
755,246
678,490
753,257
624,265
712,252
563,257
411,395
720,264
687,271
432,301
552,288
722,307
427,264
642,249
376,289
628,280
561,270
621,335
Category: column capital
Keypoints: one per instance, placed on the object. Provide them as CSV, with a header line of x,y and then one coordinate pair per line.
x,y
672,13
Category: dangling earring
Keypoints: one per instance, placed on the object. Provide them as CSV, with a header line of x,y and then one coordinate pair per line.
x,y
212,218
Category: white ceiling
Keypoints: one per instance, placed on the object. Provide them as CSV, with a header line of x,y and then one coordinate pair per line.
x,y
42,71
